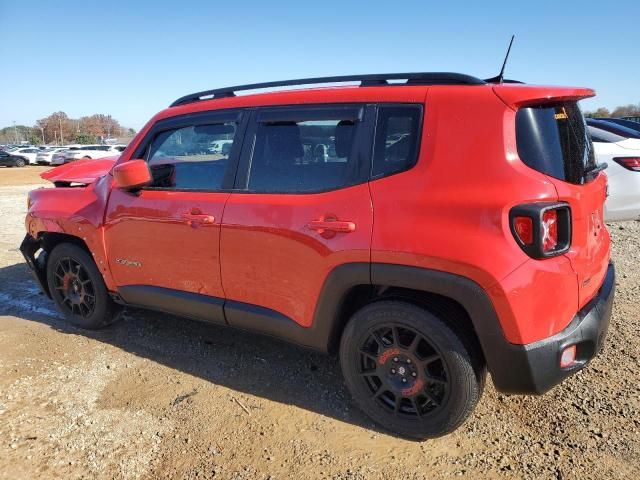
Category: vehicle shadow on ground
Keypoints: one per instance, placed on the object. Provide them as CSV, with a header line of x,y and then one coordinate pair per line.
x,y
242,361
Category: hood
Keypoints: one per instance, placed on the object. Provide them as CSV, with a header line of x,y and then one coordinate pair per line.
x,y
80,171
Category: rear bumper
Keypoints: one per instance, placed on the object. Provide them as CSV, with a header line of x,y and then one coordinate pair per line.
x,y
535,368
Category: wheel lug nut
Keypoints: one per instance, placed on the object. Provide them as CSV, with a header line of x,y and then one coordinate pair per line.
x,y
404,380
395,359
414,374
408,360
393,370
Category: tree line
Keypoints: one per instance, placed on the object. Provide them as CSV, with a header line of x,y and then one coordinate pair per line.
x,y
59,129
630,110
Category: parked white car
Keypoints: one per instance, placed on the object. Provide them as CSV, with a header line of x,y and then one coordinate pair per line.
x,y
91,152
44,157
622,156
28,154
60,157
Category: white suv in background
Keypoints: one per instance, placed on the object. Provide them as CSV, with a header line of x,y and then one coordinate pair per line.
x,y
87,152
91,152
44,157
622,156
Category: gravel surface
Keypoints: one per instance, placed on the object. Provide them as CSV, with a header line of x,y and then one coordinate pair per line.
x,y
160,397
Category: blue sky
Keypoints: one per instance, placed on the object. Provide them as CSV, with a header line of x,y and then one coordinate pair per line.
x,y
131,59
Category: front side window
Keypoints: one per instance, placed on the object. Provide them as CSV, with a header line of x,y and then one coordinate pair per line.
x,y
397,139
312,153
186,159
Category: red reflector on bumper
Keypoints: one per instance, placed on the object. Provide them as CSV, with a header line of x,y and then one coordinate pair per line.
x,y
568,357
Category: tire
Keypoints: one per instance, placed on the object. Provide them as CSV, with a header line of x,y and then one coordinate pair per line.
x,y
20,162
80,293
408,370
86,157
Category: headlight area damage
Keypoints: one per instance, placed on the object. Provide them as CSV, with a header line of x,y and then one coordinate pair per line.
x,y
79,173
71,213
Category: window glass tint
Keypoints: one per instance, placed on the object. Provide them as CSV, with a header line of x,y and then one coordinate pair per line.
x,y
186,158
397,139
553,139
304,156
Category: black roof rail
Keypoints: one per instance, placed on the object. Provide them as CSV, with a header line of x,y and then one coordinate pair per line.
x,y
376,79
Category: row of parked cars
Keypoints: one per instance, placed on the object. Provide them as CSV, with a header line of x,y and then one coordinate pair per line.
x,y
21,155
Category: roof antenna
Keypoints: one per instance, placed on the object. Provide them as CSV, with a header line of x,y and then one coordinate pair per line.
x,y
500,77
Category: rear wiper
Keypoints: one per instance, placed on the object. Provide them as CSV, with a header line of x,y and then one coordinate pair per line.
x,y
596,168
592,172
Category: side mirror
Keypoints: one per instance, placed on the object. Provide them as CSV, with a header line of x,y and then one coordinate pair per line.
x,y
132,175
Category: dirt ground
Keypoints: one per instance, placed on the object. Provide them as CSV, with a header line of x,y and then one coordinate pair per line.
x,y
29,175
160,397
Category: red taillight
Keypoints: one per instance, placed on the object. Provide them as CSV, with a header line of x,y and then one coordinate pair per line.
x,y
524,229
549,230
630,163
542,229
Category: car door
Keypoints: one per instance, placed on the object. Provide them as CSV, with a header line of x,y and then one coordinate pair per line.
x,y
300,207
163,241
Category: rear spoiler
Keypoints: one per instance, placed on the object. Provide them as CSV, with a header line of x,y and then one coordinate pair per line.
x,y
517,95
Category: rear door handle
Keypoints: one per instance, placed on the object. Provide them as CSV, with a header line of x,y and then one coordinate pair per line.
x,y
203,219
332,226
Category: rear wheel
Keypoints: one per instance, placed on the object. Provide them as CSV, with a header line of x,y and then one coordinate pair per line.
x,y
409,371
78,289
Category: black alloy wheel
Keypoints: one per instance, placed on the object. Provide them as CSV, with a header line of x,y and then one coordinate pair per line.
x,y
417,374
78,288
75,287
404,372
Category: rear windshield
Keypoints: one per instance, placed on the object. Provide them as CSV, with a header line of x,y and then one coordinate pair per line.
x,y
553,139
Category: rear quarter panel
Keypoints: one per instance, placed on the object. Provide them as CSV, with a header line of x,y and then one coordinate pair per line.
x,y
450,212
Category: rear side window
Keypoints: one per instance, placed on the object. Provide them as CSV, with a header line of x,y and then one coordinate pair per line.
x,y
397,139
553,139
184,159
305,150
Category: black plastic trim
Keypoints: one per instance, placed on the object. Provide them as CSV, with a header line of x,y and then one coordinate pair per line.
x,y
176,302
37,265
535,368
521,369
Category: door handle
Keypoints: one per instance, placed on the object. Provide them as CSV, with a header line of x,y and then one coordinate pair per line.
x,y
204,219
332,226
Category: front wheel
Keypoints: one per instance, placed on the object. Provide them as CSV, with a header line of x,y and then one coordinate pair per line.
x,y
78,289
20,162
409,371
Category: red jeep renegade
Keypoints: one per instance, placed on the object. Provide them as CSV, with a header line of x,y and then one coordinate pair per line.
x,y
427,227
